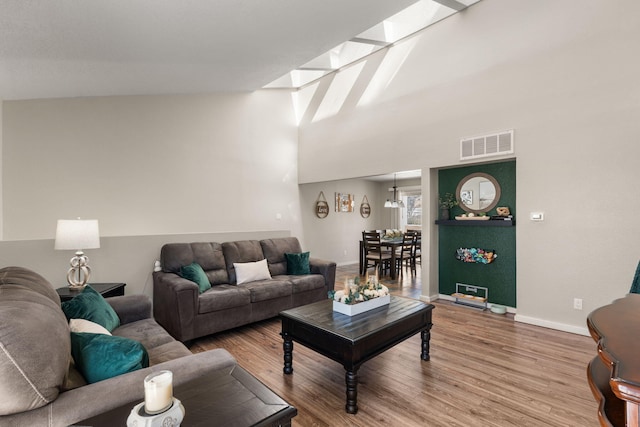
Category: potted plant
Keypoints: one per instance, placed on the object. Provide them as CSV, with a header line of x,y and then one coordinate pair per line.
x,y
446,202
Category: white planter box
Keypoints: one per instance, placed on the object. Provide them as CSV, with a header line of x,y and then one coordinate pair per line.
x,y
361,307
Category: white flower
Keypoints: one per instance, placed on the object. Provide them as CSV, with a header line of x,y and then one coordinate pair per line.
x,y
343,299
339,295
360,297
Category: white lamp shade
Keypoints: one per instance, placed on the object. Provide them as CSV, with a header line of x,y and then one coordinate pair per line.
x,y
77,234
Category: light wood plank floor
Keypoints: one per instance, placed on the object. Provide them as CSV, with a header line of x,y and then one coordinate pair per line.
x,y
485,370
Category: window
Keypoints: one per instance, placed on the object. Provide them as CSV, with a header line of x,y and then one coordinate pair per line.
x,y
412,214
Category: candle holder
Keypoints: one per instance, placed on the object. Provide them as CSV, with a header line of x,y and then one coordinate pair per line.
x,y
160,408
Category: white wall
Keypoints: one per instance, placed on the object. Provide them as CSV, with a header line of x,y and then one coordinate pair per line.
x,y
152,170
1,173
151,165
564,76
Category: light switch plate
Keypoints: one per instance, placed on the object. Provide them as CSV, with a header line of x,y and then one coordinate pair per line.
x,y
537,216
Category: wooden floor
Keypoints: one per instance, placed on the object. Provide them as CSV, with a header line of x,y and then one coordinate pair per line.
x,y
485,370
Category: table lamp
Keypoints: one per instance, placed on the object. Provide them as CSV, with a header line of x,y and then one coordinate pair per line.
x,y
78,234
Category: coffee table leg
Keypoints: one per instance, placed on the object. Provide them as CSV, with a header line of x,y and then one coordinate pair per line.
x,y
426,337
287,345
351,378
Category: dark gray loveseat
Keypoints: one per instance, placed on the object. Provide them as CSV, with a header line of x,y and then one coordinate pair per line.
x,y
38,384
187,314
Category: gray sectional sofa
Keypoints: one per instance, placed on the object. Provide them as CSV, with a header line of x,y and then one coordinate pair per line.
x,y
187,314
40,387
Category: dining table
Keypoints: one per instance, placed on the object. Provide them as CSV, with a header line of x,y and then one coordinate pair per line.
x,y
393,244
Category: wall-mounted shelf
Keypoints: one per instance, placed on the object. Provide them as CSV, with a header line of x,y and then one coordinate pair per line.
x,y
471,223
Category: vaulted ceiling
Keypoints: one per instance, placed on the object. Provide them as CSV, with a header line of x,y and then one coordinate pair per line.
x,y
70,48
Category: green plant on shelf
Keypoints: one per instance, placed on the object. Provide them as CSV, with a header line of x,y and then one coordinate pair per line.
x,y
447,201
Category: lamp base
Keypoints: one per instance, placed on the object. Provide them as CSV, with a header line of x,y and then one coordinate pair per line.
x,y
172,417
79,273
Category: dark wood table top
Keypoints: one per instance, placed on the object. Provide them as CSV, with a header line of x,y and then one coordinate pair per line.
x,y
104,289
616,329
353,328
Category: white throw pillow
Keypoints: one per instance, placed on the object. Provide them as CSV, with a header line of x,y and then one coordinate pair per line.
x,y
251,271
82,325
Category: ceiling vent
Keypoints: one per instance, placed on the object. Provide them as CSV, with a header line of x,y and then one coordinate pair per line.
x,y
494,144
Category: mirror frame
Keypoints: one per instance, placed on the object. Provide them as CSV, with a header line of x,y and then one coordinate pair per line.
x,y
478,175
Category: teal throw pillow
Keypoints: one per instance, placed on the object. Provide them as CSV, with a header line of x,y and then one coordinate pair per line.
x,y
90,305
195,273
298,264
99,357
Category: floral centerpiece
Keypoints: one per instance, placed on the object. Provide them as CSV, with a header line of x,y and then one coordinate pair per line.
x,y
358,297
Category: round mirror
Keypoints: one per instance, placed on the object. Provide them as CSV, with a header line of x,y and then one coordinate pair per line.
x,y
478,193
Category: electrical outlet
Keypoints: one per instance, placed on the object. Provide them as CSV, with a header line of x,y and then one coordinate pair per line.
x,y
345,251
577,303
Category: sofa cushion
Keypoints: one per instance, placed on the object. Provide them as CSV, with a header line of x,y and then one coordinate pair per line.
x,y
34,341
263,290
82,325
298,263
168,351
251,271
240,252
274,250
99,357
306,283
195,273
146,331
90,305
208,255
222,297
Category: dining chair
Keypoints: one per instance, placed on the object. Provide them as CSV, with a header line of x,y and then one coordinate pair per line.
x,y
404,254
417,247
374,256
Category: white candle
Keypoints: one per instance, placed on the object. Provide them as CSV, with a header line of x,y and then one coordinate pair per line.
x,y
158,392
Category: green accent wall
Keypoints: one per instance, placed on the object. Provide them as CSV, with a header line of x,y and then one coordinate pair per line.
x,y
499,276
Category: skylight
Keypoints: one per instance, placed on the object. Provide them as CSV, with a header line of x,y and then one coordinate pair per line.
x,y
403,24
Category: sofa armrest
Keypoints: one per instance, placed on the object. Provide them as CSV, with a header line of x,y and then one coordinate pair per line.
x,y
326,268
93,399
175,304
131,308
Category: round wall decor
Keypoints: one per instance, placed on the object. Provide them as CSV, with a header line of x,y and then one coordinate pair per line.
x,y
365,208
322,207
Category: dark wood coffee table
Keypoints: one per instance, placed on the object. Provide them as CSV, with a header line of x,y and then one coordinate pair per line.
x,y
352,341
216,398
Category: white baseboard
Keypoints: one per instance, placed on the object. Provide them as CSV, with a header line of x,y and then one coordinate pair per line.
x,y
552,325
520,318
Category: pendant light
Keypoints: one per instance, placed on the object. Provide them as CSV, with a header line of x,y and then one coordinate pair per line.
x,y
396,203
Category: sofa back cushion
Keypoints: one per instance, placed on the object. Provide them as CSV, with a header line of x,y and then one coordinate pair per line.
x,y
274,250
35,347
208,255
238,252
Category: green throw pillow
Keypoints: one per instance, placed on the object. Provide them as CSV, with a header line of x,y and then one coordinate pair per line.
x,y
298,264
195,273
99,357
90,305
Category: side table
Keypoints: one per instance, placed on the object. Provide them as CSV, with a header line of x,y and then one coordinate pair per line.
x,y
220,398
105,289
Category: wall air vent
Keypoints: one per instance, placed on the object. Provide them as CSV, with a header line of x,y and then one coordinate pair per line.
x,y
494,144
